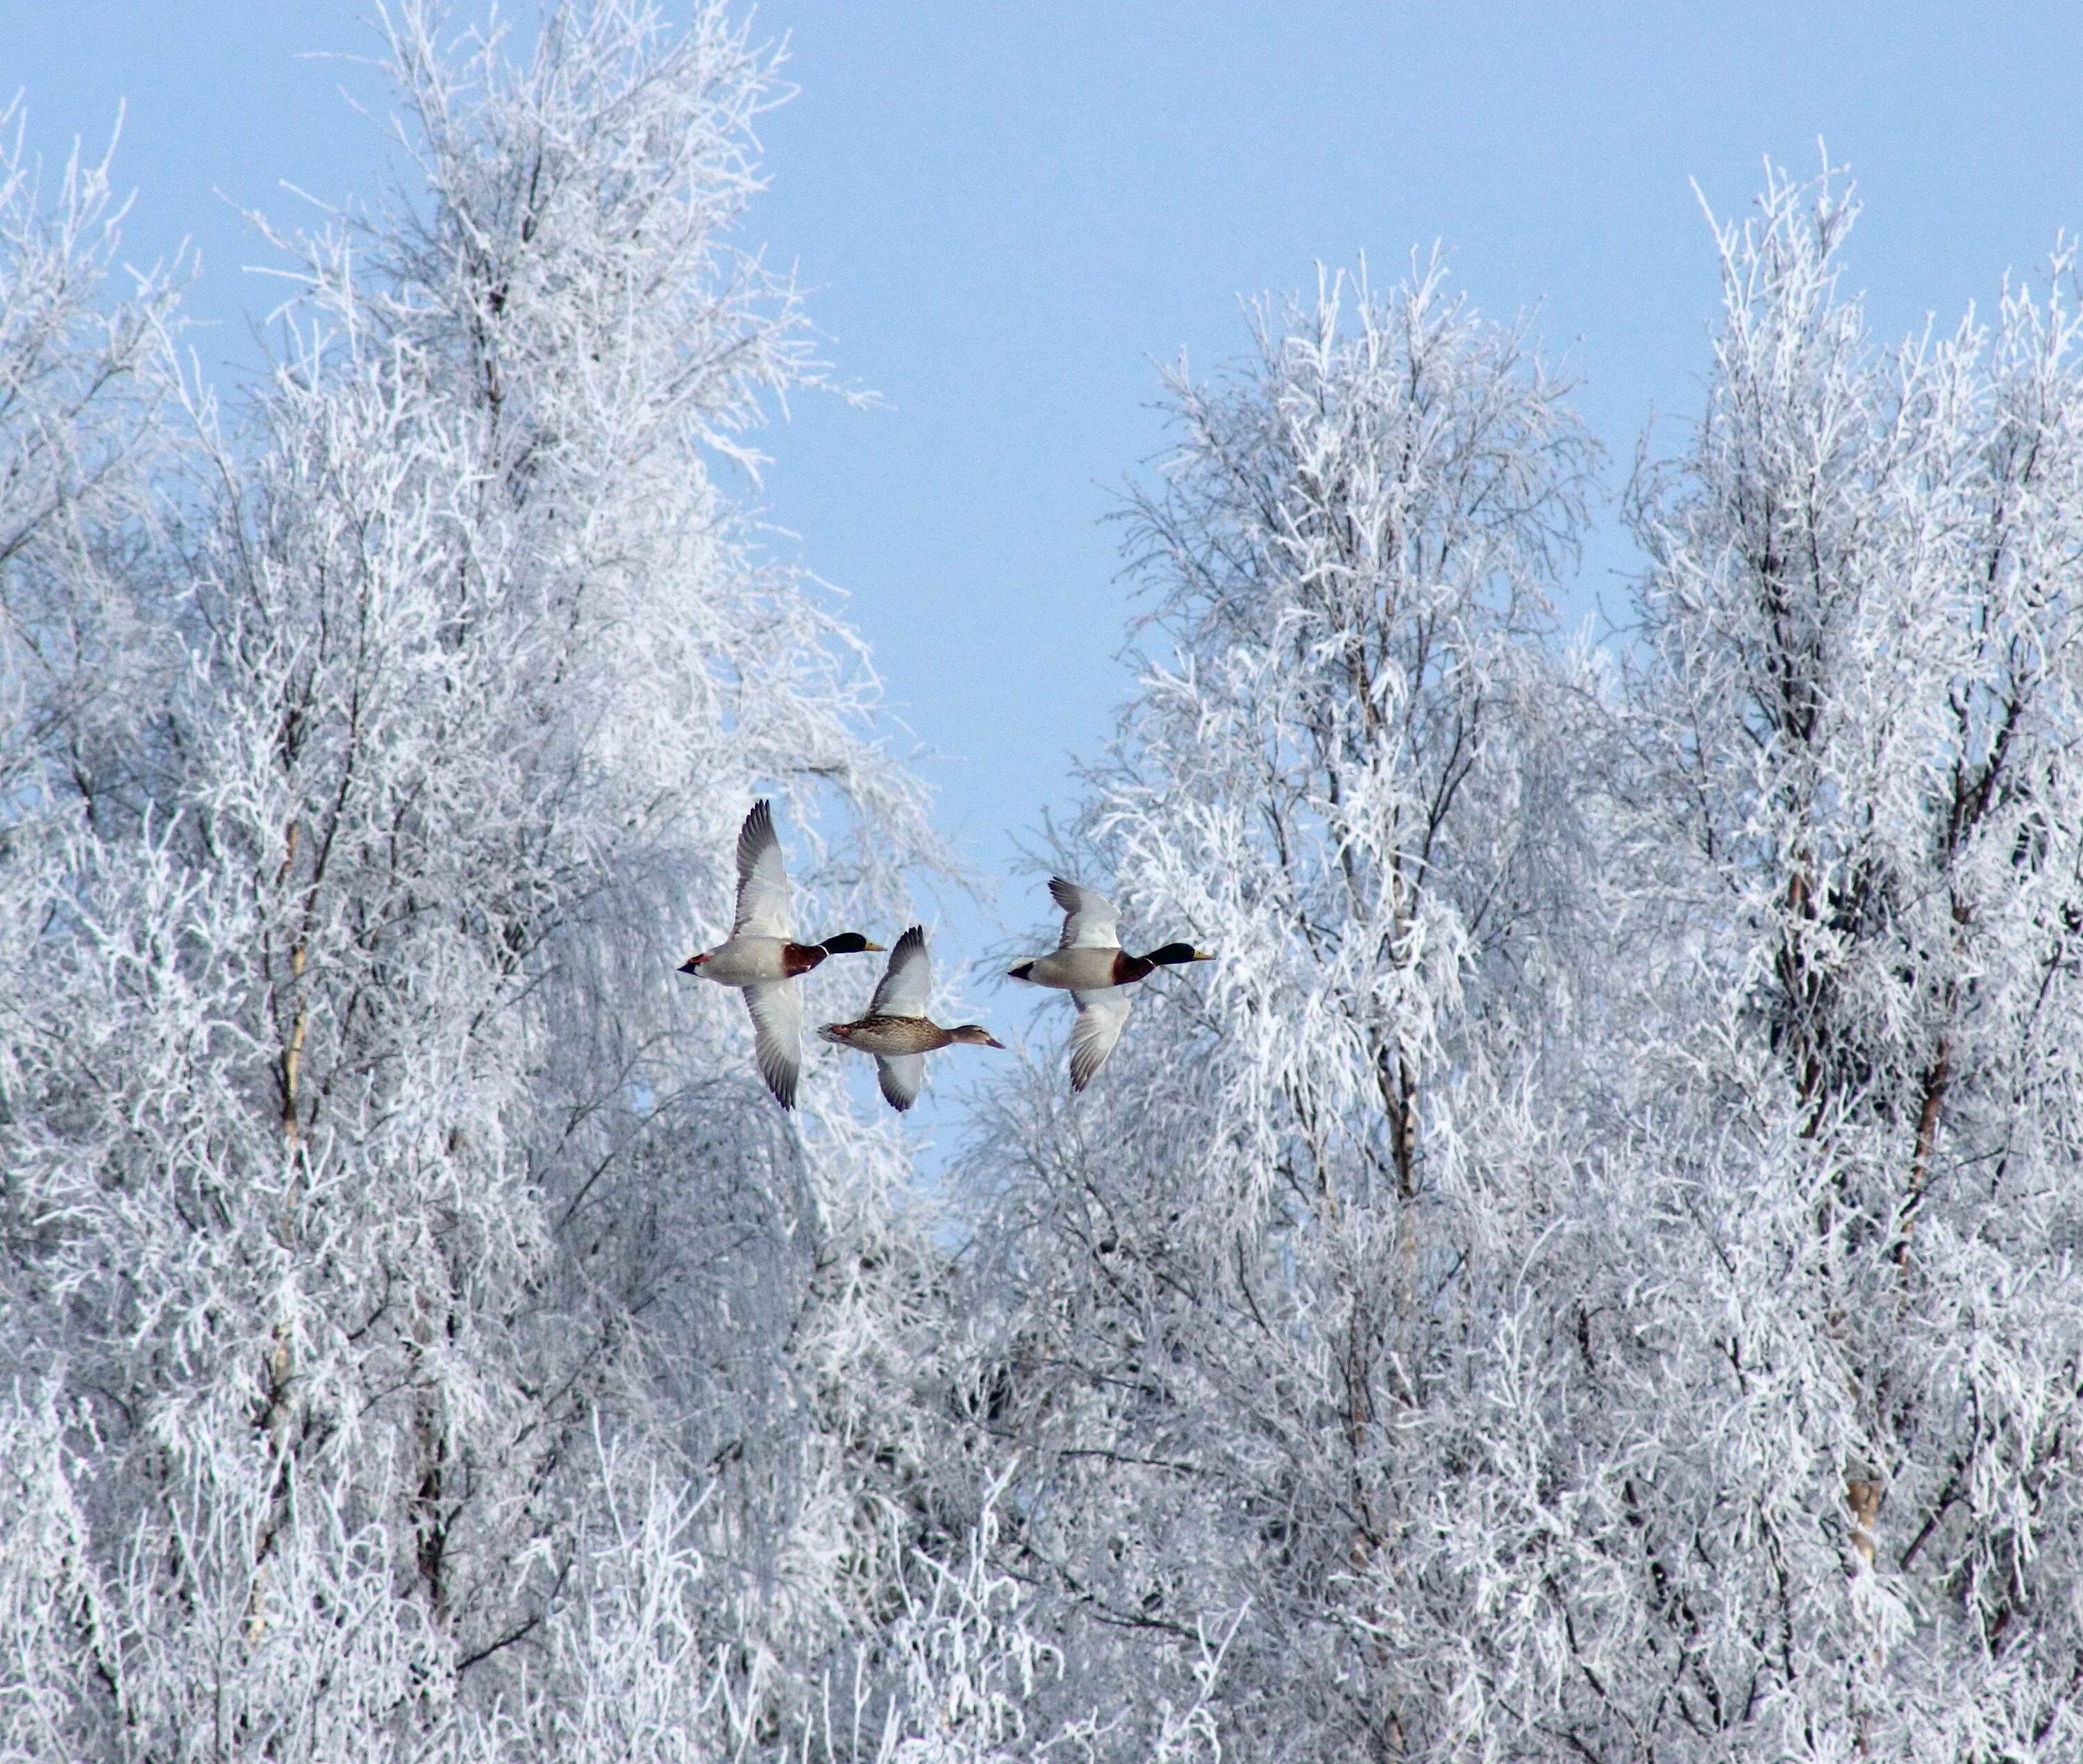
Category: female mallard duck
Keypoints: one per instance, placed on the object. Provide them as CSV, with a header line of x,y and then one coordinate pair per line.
x,y
761,960
1090,964
896,1029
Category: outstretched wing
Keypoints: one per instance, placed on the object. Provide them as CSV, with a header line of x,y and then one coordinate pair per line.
x,y
1101,1016
1091,921
777,1035
901,1075
906,981
763,878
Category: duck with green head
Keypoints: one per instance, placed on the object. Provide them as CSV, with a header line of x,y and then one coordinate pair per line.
x,y
761,958
1090,964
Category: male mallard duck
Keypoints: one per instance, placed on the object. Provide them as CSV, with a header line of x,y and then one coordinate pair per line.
x,y
897,1029
1091,965
761,960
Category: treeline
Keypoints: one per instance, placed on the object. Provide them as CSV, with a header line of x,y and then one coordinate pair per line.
x,y
1588,1273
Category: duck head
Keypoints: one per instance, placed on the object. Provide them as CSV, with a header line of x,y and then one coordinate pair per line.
x,y
1172,955
975,1034
849,943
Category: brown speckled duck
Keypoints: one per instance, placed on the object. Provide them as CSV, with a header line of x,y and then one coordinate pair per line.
x,y
1091,965
761,958
896,1029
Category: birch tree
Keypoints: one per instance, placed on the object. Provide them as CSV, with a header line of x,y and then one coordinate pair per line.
x,y
83,380
1588,1276
425,1338
1258,1266
1858,726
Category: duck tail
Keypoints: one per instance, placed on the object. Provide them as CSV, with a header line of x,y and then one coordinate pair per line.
x,y
1021,972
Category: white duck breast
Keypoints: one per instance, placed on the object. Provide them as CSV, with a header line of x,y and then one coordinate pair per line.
x,y
1074,970
746,961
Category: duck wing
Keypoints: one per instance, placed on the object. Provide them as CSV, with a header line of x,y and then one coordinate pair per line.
x,y
1091,921
907,981
900,1074
777,1035
1100,1017
763,878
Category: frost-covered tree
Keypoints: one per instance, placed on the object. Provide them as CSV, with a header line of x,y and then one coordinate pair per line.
x,y
81,381
1257,1267
1589,1274
423,1337
1842,1212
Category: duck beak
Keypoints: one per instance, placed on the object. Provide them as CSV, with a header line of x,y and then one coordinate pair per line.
x,y
993,1041
1204,954
869,948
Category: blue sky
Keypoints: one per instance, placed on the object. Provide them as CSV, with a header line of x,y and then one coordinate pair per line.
x,y
1008,215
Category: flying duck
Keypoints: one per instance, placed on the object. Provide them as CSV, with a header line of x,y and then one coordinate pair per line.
x,y
761,960
1091,965
896,1029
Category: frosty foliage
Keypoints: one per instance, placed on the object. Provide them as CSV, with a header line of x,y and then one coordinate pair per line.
x,y
1263,1267
1854,808
1587,1273
422,1338
82,380
1590,1269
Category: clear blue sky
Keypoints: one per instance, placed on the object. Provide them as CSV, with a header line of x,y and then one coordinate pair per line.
x,y
1008,214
